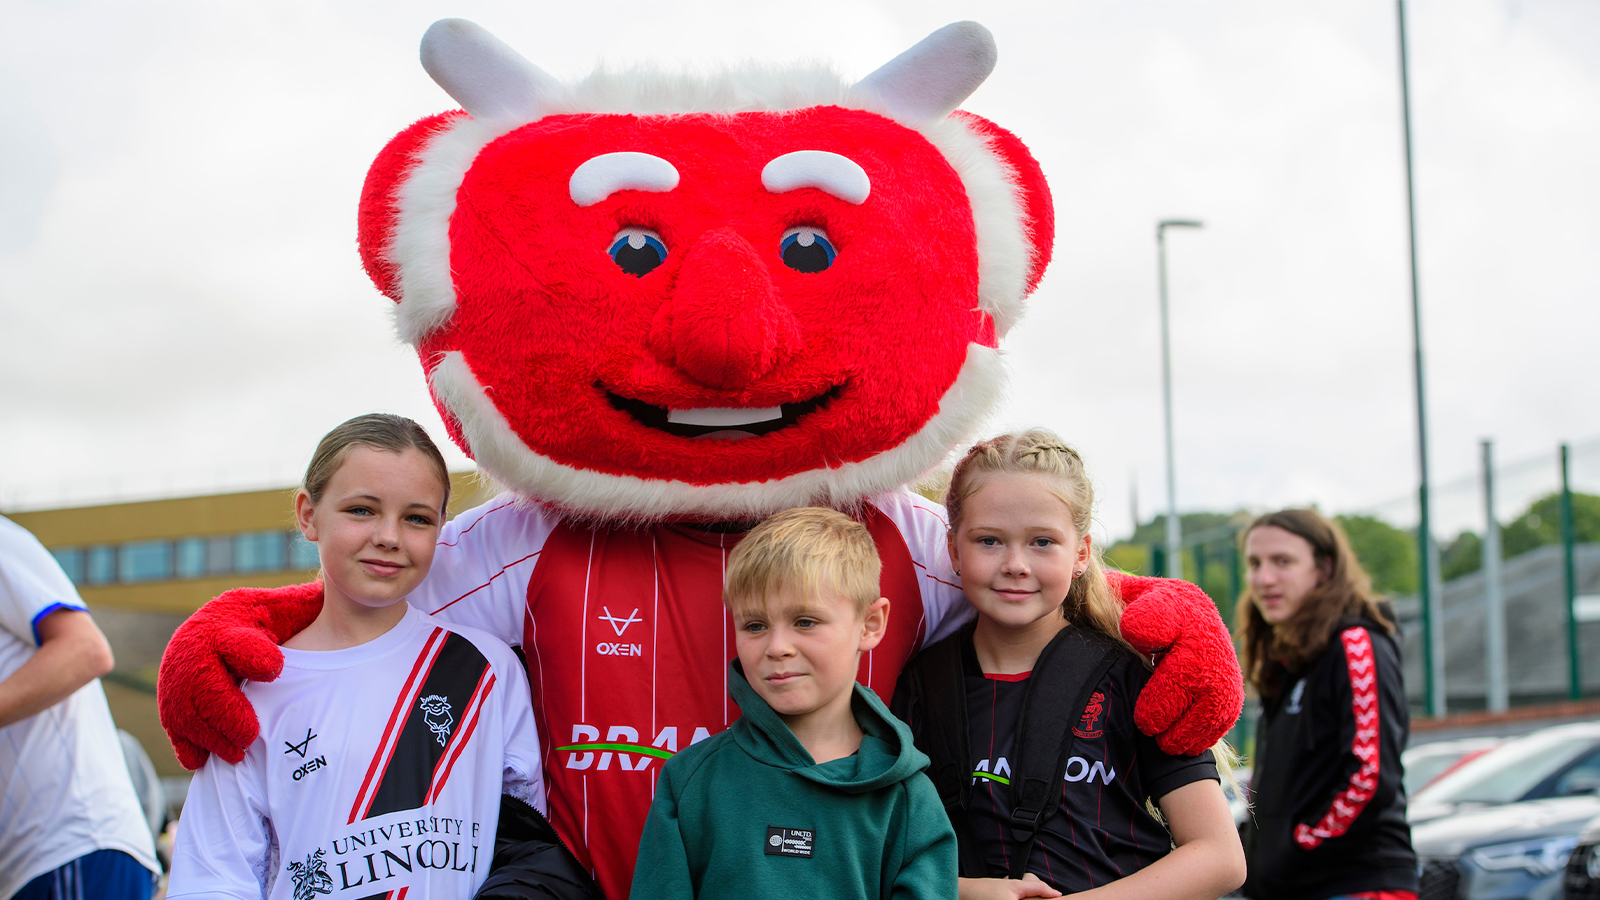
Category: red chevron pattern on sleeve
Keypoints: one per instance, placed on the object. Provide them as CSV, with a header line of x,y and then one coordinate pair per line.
x,y
1364,705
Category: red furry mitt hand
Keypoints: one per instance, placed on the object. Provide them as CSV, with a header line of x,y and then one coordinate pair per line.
x,y
1196,692
233,637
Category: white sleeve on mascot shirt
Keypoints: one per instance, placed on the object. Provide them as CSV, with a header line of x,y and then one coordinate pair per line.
x,y
925,528
487,555
481,569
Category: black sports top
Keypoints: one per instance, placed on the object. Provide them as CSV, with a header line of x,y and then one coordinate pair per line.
x,y
1102,830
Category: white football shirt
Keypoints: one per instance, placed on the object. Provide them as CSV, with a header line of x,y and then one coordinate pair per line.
x,y
66,786
378,772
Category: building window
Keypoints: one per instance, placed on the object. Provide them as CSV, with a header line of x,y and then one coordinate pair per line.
x,y
191,557
219,555
71,561
101,566
144,561
260,551
302,553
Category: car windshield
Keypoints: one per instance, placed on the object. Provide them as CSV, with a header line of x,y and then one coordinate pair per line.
x,y
1421,771
1506,773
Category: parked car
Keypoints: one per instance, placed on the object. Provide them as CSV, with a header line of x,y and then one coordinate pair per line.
x,y
1583,866
1560,761
1514,851
1424,763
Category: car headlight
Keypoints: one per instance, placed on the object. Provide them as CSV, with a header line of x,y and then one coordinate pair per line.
x,y
1539,858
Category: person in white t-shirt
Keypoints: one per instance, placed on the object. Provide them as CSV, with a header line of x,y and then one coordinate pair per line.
x,y
392,741
69,818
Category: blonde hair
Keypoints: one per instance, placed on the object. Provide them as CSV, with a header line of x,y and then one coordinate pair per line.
x,y
377,431
1090,602
808,551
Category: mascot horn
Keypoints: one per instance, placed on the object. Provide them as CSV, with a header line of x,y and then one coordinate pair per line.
x,y
659,308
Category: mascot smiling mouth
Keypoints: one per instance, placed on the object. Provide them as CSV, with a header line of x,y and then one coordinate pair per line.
x,y
719,423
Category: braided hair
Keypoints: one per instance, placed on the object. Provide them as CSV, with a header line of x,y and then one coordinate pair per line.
x,y
1090,602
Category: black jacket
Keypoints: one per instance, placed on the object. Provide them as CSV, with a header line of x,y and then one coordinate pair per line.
x,y
1329,810
531,862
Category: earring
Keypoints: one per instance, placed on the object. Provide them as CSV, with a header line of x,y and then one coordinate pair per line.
x,y
958,573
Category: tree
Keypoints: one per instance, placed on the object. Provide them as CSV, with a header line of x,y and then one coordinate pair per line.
x,y
1155,530
1462,556
1129,557
1387,553
1541,524
1538,526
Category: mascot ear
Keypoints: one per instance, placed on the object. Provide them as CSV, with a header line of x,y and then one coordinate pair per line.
x,y
927,82
491,81
1032,193
375,223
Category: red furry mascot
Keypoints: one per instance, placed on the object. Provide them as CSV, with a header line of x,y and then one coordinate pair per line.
x,y
659,309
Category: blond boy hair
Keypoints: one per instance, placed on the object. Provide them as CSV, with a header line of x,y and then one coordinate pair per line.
x,y
806,551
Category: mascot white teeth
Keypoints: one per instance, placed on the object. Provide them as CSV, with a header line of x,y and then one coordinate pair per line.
x,y
660,309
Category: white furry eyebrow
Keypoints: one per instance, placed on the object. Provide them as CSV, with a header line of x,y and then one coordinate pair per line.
x,y
838,175
604,175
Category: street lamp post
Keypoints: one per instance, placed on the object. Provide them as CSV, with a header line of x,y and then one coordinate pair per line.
x,y
1429,584
1174,552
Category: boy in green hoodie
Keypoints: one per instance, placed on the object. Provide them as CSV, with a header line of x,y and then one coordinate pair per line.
x,y
816,790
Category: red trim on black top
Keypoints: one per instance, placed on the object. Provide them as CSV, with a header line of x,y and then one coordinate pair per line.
x,y
1349,803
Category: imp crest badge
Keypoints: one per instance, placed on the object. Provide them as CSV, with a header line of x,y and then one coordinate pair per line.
x,y
436,712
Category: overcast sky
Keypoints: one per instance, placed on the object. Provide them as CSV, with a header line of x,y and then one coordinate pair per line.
x,y
182,309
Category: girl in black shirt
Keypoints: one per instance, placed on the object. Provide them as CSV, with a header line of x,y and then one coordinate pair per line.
x,y
1019,541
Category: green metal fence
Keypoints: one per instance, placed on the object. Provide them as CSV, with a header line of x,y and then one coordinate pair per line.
x,y
1547,507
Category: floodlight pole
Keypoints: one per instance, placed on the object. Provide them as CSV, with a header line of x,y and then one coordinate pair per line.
x,y
1432,622
1497,693
1569,571
1174,552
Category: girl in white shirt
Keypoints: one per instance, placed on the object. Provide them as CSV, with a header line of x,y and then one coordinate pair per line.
x,y
390,738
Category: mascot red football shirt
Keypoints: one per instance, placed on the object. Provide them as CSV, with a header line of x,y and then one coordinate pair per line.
x,y
634,614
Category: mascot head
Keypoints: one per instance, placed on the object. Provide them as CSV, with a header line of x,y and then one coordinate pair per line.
x,y
642,296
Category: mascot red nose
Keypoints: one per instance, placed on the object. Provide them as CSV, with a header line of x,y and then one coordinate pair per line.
x,y
659,309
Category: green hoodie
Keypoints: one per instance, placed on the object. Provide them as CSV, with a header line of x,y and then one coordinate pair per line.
x,y
748,813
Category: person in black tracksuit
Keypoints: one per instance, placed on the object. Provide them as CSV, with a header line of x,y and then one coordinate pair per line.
x,y
1329,810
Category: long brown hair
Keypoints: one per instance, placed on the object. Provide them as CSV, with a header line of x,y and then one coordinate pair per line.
x,y
1271,653
1090,602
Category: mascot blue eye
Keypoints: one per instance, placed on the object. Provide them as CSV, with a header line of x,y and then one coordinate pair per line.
x,y
806,249
637,251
